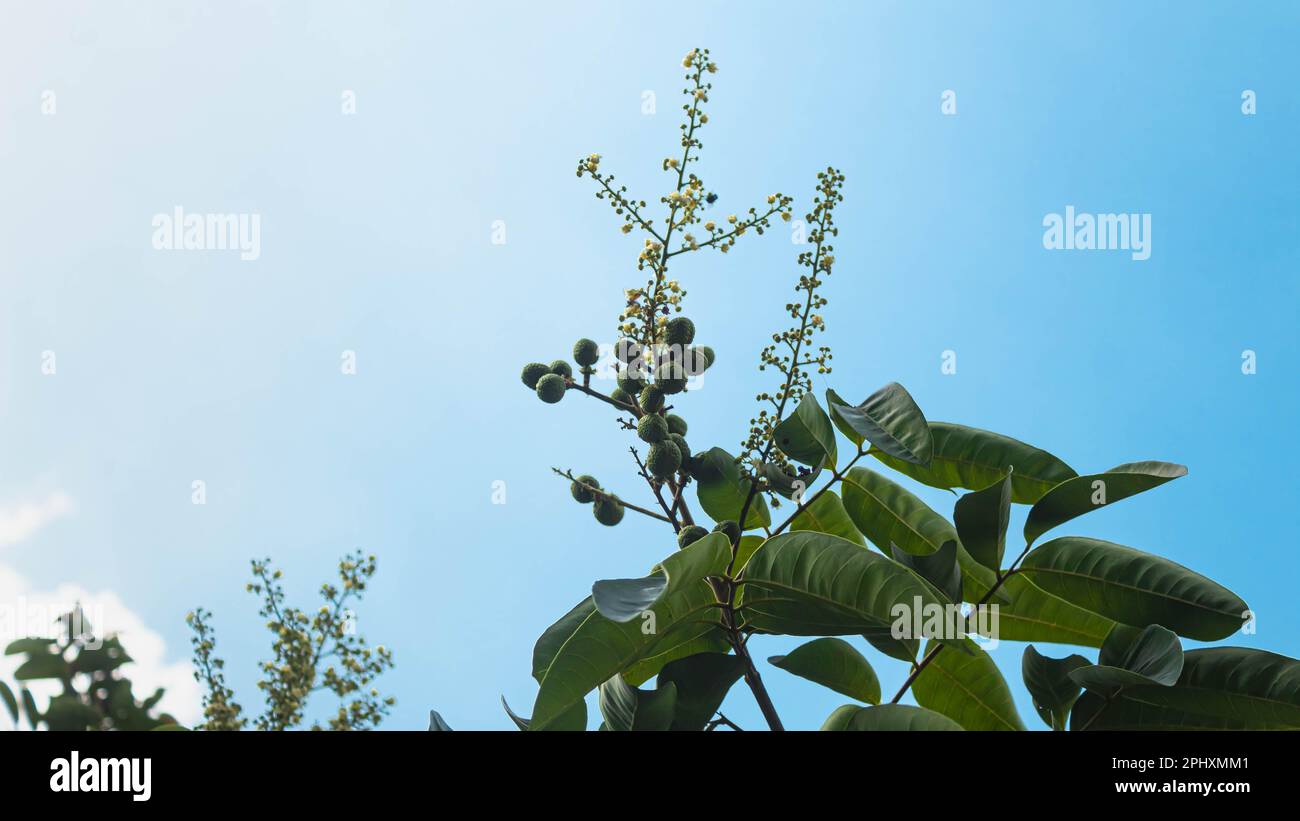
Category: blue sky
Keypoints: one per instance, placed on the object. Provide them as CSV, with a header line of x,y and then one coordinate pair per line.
x,y
376,238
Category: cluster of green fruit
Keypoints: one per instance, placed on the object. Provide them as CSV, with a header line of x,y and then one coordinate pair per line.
x,y
551,381
606,507
645,380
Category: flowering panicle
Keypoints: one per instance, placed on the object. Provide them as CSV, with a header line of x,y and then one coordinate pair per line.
x,y
791,352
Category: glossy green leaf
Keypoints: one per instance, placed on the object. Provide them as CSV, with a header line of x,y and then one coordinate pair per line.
x,y
520,721
436,723
901,649
968,688
1083,494
806,435
1033,614
599,648
623,600
826,514
574,720
1135,588
805,583
889,419
939,568
1049,684
971,458
674,648
1154,657
981,518
888,717
629,709
702,682
722,490
1220,688
833,663
887,513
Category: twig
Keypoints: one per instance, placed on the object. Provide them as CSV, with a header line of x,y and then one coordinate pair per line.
x,y
595,491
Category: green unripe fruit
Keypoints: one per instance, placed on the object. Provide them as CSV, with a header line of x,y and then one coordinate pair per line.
x,y
534,371
586,352
709,355
631,380
652,428
679,331
664,459
670,378
652,399
608,511
626,350
689,535
561,368
676,424
728,528
551,388
582,494
680,441
620,395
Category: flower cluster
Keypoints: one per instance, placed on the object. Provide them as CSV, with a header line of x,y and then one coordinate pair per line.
x,y
791,352
302,644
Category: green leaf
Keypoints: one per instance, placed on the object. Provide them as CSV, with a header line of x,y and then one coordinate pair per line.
x,y
889,419
1220,688
806,436
622,600
599,648
939,568
11,703
106,658
1033,614
1133,587
67,713
520,722
702,682
805,583
673,649
29,645
748,545
575,720
29,707
628,709
1155,656
887,513
43,665
1082,494
971,458
833,663
969,689
901,649
1048,682
722,491
550,642
436,724
981,518
888,717
826,514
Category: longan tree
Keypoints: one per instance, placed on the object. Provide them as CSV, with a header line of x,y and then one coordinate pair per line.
x,y
860,554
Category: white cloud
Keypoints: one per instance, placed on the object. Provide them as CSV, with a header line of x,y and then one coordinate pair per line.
x,y
18,522
26,611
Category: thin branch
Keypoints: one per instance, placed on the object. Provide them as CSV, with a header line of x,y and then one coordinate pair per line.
x,y
601,494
